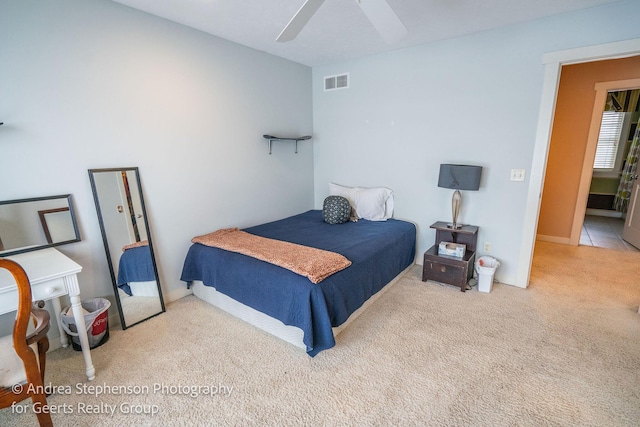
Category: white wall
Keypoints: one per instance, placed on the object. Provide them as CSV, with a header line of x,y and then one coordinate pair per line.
x,y
470,100
93,84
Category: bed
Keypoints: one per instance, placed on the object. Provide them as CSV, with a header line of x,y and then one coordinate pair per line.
x,y
136,276
267,295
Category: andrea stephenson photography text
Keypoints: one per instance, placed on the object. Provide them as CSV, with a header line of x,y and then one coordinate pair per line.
x,y
93,391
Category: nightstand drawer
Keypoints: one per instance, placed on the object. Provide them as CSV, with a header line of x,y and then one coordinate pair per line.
x,y
450,270
445,273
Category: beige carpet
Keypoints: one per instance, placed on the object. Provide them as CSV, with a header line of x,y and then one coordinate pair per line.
x,y
565,352
137,308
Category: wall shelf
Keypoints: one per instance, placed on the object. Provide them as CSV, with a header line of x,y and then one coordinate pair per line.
x,y
272,138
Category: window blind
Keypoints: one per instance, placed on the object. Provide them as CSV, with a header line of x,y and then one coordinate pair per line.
x,y
608,140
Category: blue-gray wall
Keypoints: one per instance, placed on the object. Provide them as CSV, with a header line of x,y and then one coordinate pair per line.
x,y
470,100
94,84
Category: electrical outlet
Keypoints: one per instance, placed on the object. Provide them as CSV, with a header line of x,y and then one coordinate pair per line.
x,y
486,248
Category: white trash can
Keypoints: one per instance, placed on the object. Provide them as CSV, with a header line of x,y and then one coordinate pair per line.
x,y
486,268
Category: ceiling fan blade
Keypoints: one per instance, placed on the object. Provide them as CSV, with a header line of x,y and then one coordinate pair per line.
x,y
384,19
299,20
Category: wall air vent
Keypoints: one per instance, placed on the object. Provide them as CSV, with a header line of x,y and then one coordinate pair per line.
x,y
340,81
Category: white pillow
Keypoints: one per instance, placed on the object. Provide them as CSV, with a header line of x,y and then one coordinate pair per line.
x,y
374,204
348,192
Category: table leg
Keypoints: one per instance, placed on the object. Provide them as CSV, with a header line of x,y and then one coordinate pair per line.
x,y
64,339
76,307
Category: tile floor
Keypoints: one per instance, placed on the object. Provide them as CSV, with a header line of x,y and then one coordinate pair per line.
x,y
604,232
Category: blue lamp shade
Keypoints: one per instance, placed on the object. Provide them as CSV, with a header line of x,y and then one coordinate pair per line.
x,y
460,177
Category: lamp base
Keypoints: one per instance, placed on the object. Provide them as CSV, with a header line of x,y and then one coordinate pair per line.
x,y
456,203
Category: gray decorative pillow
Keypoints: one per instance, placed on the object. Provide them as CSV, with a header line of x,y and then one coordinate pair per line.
x,y
336,210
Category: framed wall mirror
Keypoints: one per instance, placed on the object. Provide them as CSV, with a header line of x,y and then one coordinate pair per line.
x,y
36,223
127,242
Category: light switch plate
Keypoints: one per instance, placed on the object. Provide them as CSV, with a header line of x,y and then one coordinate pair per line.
x,y
517,174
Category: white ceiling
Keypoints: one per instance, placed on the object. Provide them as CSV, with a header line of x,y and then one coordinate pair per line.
x,y
339,30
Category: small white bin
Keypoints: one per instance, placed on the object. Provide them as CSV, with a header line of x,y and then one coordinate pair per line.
x,y
486,268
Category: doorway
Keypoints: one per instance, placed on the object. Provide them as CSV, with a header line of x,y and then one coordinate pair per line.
x,y
554,63
581,97
614,118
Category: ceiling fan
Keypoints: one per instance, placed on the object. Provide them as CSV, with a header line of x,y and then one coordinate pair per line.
x,y
379,13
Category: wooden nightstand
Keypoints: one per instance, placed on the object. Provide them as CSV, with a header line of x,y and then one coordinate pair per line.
x,y
446,269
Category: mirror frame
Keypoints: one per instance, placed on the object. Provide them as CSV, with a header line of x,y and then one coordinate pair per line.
x,y
105,241
47,245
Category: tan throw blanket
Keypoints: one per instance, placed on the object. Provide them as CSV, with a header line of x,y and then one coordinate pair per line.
x,y
135,245
316,264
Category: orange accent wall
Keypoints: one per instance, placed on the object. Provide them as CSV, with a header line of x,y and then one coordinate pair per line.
x,y
574,106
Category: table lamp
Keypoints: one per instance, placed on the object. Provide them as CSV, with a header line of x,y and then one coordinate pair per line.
x,y
459,177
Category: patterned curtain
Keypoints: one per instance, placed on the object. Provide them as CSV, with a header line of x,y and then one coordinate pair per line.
x,y
630,168
622,101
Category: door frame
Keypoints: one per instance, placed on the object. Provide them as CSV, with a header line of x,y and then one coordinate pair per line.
x,y
631,214
553,63
601,88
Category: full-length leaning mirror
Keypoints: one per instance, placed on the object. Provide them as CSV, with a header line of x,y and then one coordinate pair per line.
x,y
127,242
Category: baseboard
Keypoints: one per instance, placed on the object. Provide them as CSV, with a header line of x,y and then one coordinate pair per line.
x,y
554,239
176,294
114,320
54,343
604,212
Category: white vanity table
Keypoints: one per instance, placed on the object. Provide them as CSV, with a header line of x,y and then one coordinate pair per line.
x,y
52,275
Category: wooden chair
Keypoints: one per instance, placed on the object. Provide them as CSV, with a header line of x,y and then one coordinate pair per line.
x,y
21,372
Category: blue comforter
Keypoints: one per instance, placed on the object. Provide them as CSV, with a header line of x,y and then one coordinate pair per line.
x,y
378,250
135,266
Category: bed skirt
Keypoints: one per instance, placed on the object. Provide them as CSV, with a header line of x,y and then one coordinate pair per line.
x,y
144,289
275,327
